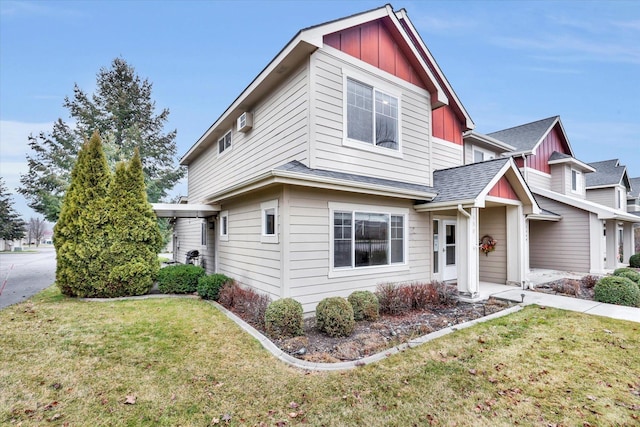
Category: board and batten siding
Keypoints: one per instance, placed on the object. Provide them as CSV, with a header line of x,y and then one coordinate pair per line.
x,y
562,245
493,267
309,245
279,135
329,151
244,257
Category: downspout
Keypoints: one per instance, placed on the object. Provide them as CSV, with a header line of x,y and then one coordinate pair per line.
x,y
463,212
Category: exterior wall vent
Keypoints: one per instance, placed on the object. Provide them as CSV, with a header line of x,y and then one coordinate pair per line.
x,y
245,122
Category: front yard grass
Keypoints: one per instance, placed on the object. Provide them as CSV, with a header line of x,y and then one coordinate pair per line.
x,y
182,362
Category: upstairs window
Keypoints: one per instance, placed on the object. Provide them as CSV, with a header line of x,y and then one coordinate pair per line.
x,y
224,225
224,143
372,116
480,155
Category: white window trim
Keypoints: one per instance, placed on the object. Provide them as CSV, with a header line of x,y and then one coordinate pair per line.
x,y
374,269
491,155
269,238
223,236
380,87
226,149
578,189
204,233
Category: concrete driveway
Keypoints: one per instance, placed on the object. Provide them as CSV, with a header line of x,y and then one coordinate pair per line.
x,y
24,274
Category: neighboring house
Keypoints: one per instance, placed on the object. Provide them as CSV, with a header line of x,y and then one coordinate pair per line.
x,y
342,166
584,227
633,196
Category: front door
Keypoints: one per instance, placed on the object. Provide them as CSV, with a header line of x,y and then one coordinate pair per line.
x,y
449,270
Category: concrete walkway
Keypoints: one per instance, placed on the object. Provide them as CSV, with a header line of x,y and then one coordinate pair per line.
x,y
568,303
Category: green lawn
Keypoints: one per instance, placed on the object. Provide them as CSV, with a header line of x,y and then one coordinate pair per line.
x,y
181,362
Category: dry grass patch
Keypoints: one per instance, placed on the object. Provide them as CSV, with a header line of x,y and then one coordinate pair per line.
x,y
181,362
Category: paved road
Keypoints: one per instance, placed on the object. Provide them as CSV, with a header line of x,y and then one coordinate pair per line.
x,y
26,274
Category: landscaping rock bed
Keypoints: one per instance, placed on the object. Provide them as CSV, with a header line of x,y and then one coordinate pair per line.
x,y
388,331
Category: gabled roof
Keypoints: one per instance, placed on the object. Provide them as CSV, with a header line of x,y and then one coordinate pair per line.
x,y
561,158
303,44
477,137
635,187
469,185
608,173
526,138
603,212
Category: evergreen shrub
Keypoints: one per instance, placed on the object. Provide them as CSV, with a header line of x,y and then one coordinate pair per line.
x,y
334,316
617,290
283,319
365,305
209,286
634,260
179,279
630,274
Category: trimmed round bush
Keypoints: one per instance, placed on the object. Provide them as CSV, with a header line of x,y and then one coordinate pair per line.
x,y
209,286
634,260
617,290
334,316
365,305
617,271
630,274
283,318
179,279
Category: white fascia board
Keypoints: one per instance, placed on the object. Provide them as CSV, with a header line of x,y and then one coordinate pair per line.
x,y
402,14
328,183
573,161
510,165
442,206
184,210
600,187
603,212
544,217
488,140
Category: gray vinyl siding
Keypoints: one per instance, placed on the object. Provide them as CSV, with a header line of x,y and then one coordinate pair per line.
x,y
493,267
331,154
309,263
445,154
189,238
562,245
540,180
561,181
243,256
603,196
279,135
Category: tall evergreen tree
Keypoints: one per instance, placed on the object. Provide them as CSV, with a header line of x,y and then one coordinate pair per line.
x,y
134,238
11,225
80,234
124,114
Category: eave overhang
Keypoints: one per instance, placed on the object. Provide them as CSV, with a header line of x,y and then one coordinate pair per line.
x,y
301,179
184,210
573,162
487,140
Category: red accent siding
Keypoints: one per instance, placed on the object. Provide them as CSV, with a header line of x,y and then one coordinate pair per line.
x,y
446,125
374,44
554,141
504,190
519,162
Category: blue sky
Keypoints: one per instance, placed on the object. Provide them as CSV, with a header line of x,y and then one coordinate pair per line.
x,y
510,62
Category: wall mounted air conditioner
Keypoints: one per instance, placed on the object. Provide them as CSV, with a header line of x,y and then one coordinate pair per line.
x,y
245,122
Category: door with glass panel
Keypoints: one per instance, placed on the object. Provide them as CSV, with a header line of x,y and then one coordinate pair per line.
x,y
449,255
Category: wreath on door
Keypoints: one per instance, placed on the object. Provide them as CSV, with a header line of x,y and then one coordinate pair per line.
x,y
488,244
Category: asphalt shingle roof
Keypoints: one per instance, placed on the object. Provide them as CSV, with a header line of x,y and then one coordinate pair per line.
x,y
635,187
525,137
296,166
608,172
558,156
465,182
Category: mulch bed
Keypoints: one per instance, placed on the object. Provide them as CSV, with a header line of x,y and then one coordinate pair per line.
x,y
388,331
